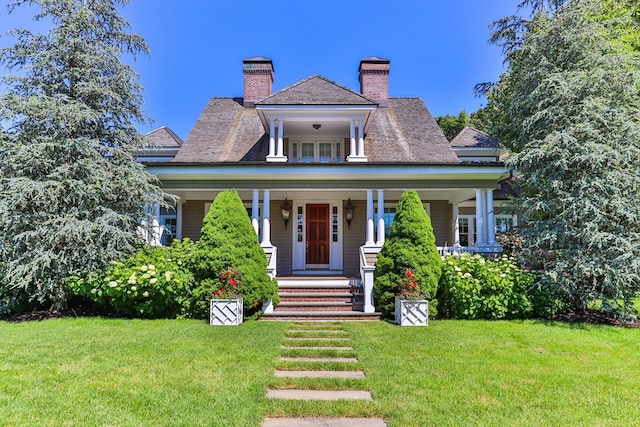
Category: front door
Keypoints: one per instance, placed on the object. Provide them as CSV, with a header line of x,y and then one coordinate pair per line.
x,y
317,246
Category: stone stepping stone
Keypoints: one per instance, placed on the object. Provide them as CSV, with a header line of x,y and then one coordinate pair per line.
x,y
356,375
317,338
298,394
323,422
316,348
320,331
319,359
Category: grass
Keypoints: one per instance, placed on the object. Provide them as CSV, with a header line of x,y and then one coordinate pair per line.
x,y
97,372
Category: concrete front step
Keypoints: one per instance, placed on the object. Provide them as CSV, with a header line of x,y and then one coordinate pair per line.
x,y
354,375
298,394
323,422
328,316
320,359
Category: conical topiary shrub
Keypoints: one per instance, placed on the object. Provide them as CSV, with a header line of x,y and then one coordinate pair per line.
x,y
411,245
229,241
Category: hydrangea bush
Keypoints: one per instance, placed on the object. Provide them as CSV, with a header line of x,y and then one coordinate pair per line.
x,y
155,283
474,288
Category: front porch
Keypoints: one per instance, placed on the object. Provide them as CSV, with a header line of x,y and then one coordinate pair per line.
x,y
339,232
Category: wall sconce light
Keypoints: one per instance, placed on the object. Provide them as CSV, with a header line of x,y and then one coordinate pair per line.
x,y
316,126
285,208
348,212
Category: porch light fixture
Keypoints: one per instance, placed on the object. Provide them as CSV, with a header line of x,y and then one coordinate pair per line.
x,y
316,126
348,212
285,208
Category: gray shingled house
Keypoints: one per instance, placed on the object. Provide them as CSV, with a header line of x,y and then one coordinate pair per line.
x,y
320,168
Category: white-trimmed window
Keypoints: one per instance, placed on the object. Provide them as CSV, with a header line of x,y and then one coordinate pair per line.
x,y
506,223
389,213
467,227
316,152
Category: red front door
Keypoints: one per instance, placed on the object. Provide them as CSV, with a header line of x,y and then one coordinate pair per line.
x,y
318,235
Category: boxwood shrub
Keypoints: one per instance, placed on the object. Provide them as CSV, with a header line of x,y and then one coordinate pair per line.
x,y
474,288
410,246
229,241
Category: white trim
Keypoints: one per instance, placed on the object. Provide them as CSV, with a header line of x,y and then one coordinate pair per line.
x,y
332,172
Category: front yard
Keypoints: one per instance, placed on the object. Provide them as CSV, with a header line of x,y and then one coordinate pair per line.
x,y
91,371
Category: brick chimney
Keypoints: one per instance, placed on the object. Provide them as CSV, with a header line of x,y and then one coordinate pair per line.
x,y
374,79
258,79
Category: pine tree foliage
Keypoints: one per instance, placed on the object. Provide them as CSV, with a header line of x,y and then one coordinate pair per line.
x,y
71,193
411,245
571,99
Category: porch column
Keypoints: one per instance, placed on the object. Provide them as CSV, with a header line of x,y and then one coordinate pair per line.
x,y
491,219
352,139
179,219
266,219
369,235
361,138
280,146
456,225
480,218
380,236
272,138
157,229
255,212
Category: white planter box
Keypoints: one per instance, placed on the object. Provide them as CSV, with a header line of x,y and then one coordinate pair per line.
x,y
412,313
226,312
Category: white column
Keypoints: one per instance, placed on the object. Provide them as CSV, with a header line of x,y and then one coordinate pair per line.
x,y
491,219
179,219
352,140
480,236
485,223
456,225
280,138
361,138
255,211
266,219
380,236
272,138
157,229
369,235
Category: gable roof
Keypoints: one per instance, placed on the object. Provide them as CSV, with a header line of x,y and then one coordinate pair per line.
x,y
405,132
316,90
471,137
163,137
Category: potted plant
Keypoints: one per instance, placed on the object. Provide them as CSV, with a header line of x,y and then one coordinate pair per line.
x,y
412,303
226,301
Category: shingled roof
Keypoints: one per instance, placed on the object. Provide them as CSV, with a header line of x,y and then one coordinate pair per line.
x,y
163,137
405,132
471,137
316,90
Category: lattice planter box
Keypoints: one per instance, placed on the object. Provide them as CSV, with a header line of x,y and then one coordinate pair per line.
x,y
412,313
226,312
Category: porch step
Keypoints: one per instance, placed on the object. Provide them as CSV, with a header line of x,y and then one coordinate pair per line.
x,y
316,298
335,297
305,305
329,316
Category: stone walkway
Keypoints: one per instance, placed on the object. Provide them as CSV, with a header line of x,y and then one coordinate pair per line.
x,y
313,333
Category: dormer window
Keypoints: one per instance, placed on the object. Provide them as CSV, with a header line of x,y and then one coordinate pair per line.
x,y
316,151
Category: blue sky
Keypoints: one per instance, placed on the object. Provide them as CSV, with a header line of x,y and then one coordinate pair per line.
x,y
438,48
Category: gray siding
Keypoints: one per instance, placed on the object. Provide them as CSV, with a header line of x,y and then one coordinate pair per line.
x,y
281,237
354,238
192,216
441,220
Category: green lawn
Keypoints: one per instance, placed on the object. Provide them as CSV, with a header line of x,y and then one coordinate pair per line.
x,y
85,372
